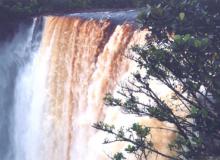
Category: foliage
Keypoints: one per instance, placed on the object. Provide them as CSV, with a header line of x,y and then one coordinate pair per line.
x,y
182,52
10,9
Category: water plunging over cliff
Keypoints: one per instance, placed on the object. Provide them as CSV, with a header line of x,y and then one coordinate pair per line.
x,y
59,92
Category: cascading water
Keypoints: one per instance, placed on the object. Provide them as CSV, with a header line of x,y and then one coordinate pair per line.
x,y
59,92
30,96
14,54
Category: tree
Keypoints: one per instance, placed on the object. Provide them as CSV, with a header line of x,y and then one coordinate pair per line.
x,y
182,52
20,9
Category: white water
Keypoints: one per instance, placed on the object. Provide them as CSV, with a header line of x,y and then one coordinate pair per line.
x,y
70,72
30,95
13,56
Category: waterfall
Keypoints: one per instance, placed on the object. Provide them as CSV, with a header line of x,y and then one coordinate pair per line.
x,y
14,54
60,85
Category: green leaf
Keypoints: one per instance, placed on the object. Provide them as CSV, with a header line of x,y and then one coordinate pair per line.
x,y
194,110
130,149
181,16
197,43
204,113
119,156
177,38
186,37
205,41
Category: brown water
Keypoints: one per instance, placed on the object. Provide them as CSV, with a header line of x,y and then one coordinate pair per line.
x,y
79,61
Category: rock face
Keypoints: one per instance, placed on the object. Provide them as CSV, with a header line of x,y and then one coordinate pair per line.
x,y
8,28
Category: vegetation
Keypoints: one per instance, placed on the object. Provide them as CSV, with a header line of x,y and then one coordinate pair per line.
x,y
13,9
183,53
